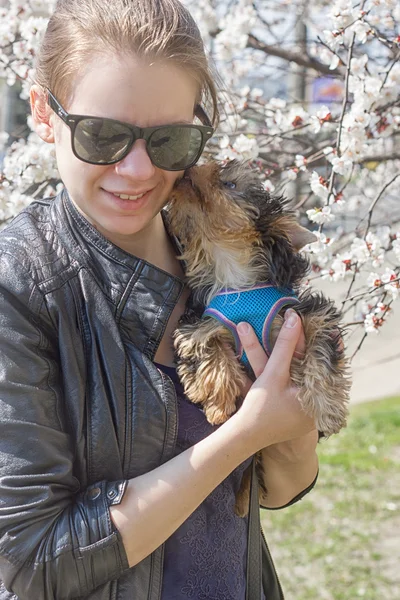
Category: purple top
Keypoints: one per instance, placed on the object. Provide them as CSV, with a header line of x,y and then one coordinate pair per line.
x,y
205,559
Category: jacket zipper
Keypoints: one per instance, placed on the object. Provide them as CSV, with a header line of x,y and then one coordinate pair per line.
x,y
276,574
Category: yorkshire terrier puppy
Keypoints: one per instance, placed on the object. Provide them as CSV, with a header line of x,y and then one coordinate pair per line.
x,y
241,253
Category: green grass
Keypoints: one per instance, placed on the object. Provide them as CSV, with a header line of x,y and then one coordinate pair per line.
x,y
342,541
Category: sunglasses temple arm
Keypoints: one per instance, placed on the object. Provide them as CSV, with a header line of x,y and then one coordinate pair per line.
x,y
202,115
56,106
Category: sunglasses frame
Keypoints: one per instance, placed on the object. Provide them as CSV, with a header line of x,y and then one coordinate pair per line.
x,y
137,133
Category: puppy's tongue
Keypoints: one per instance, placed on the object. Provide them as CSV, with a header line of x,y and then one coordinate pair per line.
x,y
185,180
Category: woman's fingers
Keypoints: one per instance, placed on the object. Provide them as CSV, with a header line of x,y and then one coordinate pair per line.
x,y
285,345
254,351
300,346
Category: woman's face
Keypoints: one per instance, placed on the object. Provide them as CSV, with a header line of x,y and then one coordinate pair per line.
x,y
128,90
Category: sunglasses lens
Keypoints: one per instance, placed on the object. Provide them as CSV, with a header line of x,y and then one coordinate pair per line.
x,y
101,141
174,147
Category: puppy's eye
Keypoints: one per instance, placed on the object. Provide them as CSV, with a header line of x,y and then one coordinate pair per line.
x,y
230,184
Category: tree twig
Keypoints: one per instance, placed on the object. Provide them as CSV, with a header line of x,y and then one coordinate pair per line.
x,y
288,55
375,202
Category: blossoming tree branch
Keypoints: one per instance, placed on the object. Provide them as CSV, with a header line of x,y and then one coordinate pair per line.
x,y
332,145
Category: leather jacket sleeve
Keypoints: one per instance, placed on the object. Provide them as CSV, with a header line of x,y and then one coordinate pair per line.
x,y
56,540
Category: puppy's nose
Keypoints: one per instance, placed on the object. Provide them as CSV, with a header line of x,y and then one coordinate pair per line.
x,y
204,175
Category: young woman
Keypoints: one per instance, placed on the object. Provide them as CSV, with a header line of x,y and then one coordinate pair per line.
x,y
112,485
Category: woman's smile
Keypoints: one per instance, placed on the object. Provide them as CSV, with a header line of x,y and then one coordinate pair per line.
x,y
127,202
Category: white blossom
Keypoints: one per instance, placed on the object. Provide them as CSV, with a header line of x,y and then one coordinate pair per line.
x,y
224,141
342,166
29,163
329,153
205,15
236,26
324,113
256,93
358,66
335,60
316,124
361,30
334,39
232,123
342,13
340,268
320,246
301,162
247,147
354,136
371,324
368,250
276,103
392,286
387,281
318,185
268,186
320,215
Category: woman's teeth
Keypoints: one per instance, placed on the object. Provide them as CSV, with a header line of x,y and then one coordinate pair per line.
x,y
125,197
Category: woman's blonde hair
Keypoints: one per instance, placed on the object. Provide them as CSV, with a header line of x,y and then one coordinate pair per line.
x,y
149,29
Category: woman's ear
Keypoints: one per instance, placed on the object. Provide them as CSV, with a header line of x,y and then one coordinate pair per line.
x,y
42,114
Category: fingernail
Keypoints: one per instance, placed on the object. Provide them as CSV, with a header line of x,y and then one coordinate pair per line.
x,y
243,328
290,318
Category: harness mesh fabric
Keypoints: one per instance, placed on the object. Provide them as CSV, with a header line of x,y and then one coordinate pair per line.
x,y
257,306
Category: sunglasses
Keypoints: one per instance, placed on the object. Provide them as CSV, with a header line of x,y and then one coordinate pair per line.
x,y
101,141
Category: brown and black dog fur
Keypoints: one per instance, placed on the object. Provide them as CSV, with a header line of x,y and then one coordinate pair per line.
x,y
234,234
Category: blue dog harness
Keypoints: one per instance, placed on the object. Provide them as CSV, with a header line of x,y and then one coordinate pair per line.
x,y
257,306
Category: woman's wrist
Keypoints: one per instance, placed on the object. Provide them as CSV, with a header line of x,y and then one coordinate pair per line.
x,y
249,435
243,435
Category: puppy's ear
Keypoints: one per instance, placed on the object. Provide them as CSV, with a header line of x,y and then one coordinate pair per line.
x,y
299,236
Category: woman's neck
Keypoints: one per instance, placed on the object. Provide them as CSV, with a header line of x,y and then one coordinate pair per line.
x,y
153,245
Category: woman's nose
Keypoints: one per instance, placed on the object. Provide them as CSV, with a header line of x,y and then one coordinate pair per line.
x,y
136,164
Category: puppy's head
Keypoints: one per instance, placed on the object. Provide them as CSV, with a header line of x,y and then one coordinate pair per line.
x,y
227,220
208,197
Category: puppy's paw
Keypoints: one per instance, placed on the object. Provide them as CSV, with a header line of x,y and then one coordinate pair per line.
x,y
208,368
218,414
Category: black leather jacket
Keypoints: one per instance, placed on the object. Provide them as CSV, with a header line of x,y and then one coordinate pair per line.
x,y
82,406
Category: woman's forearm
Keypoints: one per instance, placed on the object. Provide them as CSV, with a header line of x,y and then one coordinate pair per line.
x,y
157,503
289,468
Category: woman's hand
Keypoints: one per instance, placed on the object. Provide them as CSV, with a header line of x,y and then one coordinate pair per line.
x,y
288,455
271,410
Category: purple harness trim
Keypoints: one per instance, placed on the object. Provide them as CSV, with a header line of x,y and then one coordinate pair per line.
x,y
266,332
212,312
